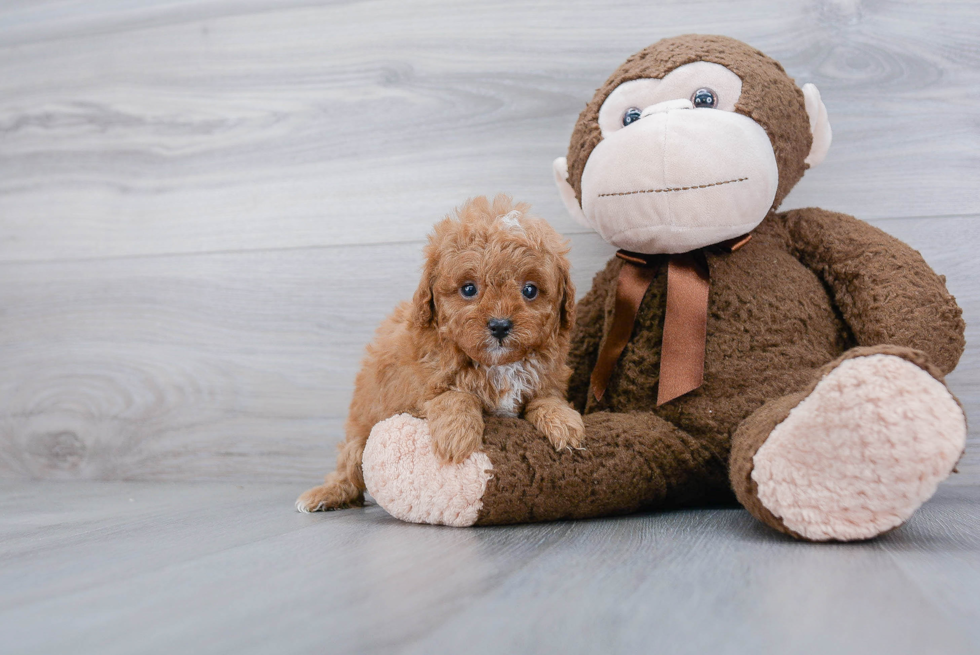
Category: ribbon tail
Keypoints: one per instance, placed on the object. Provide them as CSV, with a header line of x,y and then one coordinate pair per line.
x,y
685,326
632,284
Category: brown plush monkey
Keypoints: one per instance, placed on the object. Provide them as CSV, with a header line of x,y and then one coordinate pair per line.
x,y
799,371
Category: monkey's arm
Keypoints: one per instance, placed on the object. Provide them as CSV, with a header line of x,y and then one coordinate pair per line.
x,y
885,291
628,461
589,330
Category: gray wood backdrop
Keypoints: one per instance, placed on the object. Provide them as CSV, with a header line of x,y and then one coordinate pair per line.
x,y
207,206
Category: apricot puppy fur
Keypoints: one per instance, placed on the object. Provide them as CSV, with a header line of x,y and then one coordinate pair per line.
x,y
487,331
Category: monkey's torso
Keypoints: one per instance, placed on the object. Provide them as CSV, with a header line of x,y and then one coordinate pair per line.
x,y
771,324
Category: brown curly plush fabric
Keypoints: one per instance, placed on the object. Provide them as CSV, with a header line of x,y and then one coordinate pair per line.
x,y
806,290
640,461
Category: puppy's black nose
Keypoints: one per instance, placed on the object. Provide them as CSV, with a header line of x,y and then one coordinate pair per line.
x,y
500,327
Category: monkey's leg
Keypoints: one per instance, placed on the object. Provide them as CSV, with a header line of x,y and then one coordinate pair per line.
x,y
856,453
625,462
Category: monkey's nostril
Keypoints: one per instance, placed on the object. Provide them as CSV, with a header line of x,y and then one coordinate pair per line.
x,y
500,327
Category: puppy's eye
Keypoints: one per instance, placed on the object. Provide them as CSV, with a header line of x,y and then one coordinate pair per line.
x,y
530,291
631,116
468,290
704,99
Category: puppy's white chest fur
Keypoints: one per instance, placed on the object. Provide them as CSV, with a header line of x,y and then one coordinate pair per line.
x,y
514,383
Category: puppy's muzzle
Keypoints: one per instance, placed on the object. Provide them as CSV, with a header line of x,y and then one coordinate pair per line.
x,y
500,327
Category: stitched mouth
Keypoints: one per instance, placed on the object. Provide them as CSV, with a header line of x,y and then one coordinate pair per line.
x,y
674,189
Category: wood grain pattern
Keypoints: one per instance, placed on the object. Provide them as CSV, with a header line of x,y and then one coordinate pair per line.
x,y
206,207
190,127
216,568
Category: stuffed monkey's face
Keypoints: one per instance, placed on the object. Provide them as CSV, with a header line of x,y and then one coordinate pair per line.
x,y
677,168
680,160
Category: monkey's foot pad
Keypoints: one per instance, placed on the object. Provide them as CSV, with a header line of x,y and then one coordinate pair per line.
x,y
862,452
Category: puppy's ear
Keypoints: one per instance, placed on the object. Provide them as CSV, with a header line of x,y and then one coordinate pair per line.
x,y
566,291
423,303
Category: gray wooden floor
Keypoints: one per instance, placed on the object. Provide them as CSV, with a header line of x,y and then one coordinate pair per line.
x,y
115,567
206,206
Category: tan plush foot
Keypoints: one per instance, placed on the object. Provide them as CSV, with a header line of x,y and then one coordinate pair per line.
x,y
862,452
404,476
332,494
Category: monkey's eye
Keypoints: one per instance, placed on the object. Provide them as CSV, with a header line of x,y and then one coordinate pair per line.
x,y
632,115
704,99
468,290
530,291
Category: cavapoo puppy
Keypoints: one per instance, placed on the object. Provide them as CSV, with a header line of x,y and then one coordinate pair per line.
x,y
487,331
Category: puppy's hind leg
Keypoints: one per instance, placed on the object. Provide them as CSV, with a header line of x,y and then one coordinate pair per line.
x,y
344,487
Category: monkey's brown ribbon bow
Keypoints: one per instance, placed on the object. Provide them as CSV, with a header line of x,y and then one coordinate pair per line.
x,y
685,323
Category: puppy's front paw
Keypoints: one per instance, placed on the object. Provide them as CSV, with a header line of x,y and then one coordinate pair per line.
x,y
560,423
455,437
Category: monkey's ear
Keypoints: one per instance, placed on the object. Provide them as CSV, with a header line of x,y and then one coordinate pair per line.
x,y
560,167
819,125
